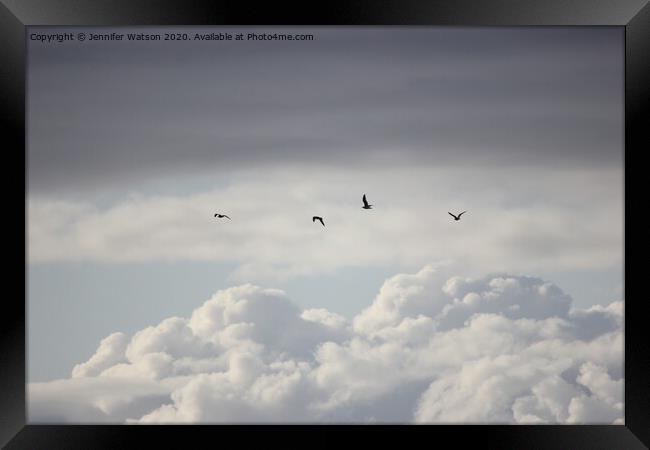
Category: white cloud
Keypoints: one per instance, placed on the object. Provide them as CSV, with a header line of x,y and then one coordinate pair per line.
x,y
432,348
111,351
402,296
93,399
484,390
266,317
329,319
509,227
599,382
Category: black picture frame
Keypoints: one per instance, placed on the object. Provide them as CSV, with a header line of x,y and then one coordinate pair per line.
x,y
15,15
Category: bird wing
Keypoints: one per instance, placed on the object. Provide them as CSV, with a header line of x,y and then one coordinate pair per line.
x,y
461,213
216,214
313,219
451,215
365,202
227,217
321,221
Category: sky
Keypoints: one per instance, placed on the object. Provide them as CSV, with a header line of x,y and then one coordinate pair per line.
x,y
142,307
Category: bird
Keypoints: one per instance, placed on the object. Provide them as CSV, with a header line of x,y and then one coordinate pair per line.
x,y
366,205
458,216
315,218
221,216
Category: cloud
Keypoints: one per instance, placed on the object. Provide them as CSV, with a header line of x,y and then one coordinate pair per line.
x,y
271,237
556,400
379,97
94,399
111,351
412,296
433,348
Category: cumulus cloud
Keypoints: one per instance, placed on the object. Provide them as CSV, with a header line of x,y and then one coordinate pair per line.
x,y
111,351
433,347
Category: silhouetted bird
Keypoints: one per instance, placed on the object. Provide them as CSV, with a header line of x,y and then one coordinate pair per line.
x,y
315,218
221,216
366,205
458,216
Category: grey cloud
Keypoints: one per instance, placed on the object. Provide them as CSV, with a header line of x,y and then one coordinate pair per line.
x,y
103,113
593,322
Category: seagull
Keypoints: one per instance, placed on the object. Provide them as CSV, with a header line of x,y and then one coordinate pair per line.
x,y
366,205
458,216
315,218
221,216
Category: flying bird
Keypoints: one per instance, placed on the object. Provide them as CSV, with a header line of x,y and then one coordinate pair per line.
x,y
366,205
315,218
221,216
458,216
